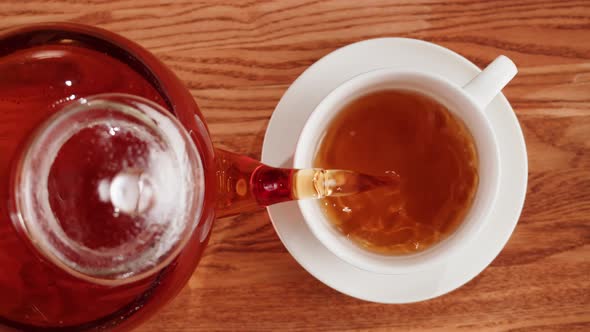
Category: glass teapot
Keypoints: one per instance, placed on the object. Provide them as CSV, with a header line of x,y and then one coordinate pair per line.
x,y
109,183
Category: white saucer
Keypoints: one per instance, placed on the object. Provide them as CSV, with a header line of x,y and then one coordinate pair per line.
x,y
283,132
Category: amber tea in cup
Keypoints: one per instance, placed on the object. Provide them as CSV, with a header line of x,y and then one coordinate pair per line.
x,y
413,135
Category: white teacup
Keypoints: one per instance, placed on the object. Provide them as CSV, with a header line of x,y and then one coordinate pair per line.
x,y
467,103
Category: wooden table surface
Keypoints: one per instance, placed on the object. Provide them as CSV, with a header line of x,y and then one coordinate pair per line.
x,y
239,57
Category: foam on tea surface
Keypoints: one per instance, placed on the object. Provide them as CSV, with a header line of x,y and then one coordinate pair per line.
x,y
430,149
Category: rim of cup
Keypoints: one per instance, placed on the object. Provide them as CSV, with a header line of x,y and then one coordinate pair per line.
x,y
463,106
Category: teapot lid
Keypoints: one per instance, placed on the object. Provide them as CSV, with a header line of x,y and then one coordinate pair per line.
x,y
110,188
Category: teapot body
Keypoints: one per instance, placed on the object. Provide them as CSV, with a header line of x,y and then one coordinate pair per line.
x,y
42,69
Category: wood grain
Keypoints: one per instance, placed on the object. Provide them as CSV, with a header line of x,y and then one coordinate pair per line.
x,y
238,57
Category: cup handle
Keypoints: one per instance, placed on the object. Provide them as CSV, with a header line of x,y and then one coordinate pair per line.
x,y
490,82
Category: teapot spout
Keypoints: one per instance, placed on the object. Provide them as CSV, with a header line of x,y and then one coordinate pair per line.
x,y
244,184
